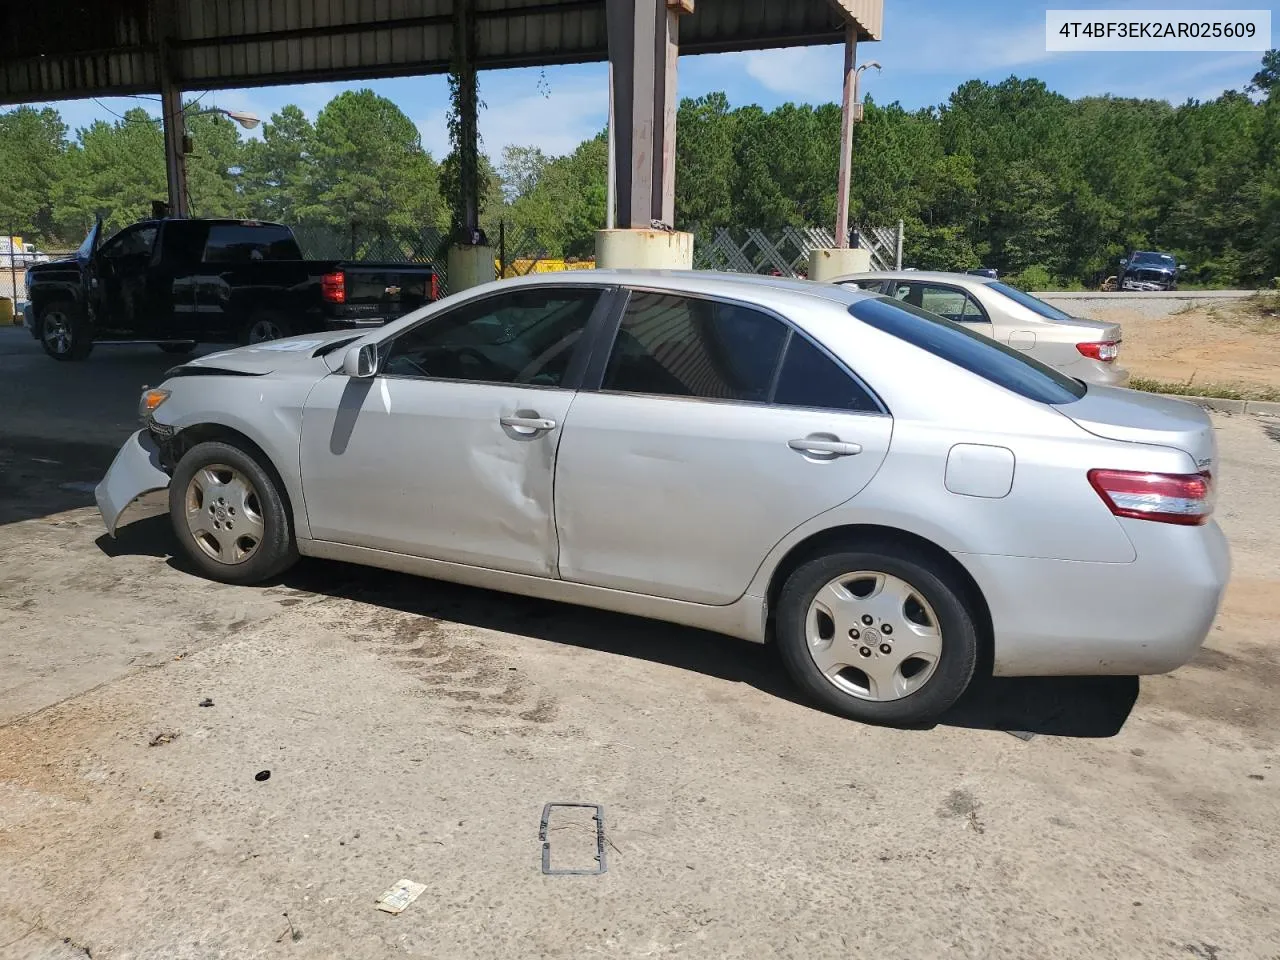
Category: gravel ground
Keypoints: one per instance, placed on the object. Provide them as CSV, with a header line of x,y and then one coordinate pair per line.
x,y
414,730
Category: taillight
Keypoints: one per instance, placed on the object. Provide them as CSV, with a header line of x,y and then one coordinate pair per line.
x,y
435,285
1183,498
1105,350
333,287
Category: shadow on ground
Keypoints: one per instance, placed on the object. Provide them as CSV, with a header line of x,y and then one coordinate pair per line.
x,y
40,477
1056,706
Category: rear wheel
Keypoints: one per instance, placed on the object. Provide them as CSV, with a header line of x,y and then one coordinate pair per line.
x,y
263,326
64,331
881,634
230,516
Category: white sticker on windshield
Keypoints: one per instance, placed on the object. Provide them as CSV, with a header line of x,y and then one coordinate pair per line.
x,y
290,345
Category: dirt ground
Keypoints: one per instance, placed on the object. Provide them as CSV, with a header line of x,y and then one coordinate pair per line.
x,y
1234,344
414,730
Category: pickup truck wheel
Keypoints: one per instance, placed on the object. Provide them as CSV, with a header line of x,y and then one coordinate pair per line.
x,y
265,326
177,347
64,331
230,516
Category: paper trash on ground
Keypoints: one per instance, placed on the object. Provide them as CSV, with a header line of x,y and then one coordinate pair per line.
x,y
400,896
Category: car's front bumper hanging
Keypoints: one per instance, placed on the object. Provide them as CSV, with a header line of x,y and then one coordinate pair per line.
x,y
135,471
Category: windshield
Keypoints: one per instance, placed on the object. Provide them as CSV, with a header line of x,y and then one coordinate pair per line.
x,y
993,361
1031,303
1163,259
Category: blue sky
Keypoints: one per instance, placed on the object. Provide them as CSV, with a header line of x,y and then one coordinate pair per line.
x,y
929,47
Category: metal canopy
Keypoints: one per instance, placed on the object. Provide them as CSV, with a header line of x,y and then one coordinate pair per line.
x,y
58,49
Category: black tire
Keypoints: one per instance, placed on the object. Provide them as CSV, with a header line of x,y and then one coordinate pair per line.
x,y
924,574
64,330
179,348
275,552
265,325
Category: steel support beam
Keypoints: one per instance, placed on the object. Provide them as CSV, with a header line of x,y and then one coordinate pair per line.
x,y
175,127
846,138
644,43
464,55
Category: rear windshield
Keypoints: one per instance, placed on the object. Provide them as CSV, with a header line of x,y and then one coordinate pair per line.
x,y
1031,303
990,360
243,242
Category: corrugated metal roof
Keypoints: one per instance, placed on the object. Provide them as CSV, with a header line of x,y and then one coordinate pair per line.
x,y
52,49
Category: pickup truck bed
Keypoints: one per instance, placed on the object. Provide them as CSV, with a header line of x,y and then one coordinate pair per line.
x,y
183,282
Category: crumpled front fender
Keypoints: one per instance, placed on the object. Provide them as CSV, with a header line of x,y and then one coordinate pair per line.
x,y
134,472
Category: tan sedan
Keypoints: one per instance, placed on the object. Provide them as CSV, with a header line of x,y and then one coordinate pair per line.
x,y
1085,349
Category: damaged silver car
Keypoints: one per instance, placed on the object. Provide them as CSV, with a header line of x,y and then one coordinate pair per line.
x,y
892,497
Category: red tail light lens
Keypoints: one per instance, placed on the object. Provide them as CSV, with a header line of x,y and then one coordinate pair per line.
x,y
435,285
1182,498
1104,350
333,287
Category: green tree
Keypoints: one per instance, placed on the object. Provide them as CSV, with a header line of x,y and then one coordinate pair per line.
x,y
278,171
371,172
113,170
32,145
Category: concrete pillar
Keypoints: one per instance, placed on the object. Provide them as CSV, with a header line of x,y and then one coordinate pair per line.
x,y
644,249
470,266
826,264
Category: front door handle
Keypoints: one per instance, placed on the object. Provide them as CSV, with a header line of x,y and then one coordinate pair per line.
x,y
528,425
826,448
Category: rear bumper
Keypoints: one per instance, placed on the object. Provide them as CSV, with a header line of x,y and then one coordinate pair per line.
x,y
1059,617
1105,374
135,471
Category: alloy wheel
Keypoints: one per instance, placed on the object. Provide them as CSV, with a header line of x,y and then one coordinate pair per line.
x,y
57,332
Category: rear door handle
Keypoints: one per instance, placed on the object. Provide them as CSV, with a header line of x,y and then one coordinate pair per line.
x,y
528,425
830,448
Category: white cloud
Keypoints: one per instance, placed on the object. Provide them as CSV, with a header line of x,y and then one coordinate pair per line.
x,y
922,47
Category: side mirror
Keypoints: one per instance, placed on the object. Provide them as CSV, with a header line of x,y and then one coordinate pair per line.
x,y
361,362
1182,266
1124,261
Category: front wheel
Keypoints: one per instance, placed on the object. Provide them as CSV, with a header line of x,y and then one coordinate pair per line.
x,y
230,516
882,635
64,331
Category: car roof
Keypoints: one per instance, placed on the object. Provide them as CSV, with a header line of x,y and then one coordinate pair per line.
x,y
704,282
940,276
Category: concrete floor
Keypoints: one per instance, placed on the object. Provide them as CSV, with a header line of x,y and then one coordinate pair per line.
x,y
415,729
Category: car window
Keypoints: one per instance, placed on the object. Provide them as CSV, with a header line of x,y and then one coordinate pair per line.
x,y
688,347
810,378
133,242
950,302
993,361
523,337
245,242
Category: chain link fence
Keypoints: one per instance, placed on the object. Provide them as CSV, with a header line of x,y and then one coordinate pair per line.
x,y
786,253
427,246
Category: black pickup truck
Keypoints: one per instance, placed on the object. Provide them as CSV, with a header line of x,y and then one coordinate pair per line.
x,y
178,283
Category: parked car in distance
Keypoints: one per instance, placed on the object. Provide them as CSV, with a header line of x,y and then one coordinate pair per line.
x,y
1149,270
178,282
891,496
1081,348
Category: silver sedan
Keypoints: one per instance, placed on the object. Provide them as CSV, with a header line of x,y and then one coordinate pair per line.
x,y
890,497
1081,348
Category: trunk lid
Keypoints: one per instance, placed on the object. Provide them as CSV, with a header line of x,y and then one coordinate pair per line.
x,y
1129,415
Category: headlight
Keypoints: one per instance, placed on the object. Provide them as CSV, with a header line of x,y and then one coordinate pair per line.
x,y
150,400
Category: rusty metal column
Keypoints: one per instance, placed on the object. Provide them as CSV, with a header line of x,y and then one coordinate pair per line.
x,y
846,139
464,35
175,128
643,50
